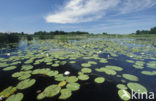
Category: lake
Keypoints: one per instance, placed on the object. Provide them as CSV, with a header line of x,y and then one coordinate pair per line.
x,y
88,69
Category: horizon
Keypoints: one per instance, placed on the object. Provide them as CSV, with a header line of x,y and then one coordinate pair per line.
x,y
116,16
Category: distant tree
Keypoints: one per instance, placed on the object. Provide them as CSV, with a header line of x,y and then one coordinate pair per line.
x,y
153,30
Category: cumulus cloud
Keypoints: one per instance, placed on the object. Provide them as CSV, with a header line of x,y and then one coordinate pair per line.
x,y
76,11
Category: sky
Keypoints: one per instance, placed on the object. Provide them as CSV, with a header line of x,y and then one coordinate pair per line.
x,y
94,16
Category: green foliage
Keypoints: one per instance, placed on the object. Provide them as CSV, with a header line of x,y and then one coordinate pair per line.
x,y
65,94
73,86
136,87
99,80
130,77
8,91
26,83
15,97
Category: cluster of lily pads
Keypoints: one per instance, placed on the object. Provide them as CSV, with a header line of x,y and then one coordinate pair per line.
x,y
54,53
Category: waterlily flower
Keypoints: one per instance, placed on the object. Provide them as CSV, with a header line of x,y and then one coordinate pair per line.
x,y
8,54
66,73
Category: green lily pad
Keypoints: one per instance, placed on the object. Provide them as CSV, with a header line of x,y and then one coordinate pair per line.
x,y
99,80
26,67
124,95
86,70
107,71
83,77
15,97
52,90
73,86
86,65
72,79
116,68
136,87
65,94
60,77
9,68
8,91
62,83
121,86
150,73
26,83
130,77
55,65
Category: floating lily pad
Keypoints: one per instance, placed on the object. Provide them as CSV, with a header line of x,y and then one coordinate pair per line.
x,y
130,77
72,62
136,87
55,65
121,86
86,70
150,73
83,77
72,79
73,86
86,65
49,91
8,91
116,68
62,83
107,71
9,68
15,97
99,80
26,83
65,94
26,67
124,95
60,77
152,64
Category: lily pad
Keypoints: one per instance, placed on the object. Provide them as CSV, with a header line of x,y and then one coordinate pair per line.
x,y
8,91
15,97
73,86
26,83
136,87
86,65
72,79
99,80
124,95
9,68
65,94
83,77
130,77
121,86
62,83
86,70
116,68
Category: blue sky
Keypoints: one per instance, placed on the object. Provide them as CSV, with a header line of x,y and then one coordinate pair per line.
x,y
94,16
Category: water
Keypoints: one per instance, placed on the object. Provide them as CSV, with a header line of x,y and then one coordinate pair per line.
x,y
89,90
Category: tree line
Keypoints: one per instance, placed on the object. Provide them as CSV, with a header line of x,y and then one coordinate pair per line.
x,y
151,31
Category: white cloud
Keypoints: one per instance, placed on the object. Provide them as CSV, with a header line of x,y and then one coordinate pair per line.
x,y
76,11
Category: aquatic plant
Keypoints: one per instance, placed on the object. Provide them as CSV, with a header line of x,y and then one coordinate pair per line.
x,y
136,87
71,79
26,83
86,70
92,62
151,64
116,68
62,83
60,77
15,97
83,77
49,91
121,86
99,79
8,91
124,95
26,67
107,71
9,68
86,65
72,62
65,94
73,86
130,77
150,73
55,65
